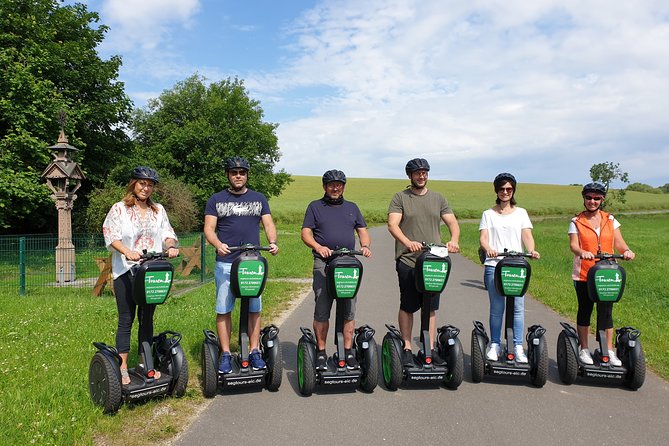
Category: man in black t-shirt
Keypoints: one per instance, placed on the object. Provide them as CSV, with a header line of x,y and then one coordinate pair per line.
x,y
232,217
331,223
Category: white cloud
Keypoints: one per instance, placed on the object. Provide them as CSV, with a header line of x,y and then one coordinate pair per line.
x,y
489,84
145,24
542,88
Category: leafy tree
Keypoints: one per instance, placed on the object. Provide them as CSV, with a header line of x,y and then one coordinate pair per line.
x,y
48,62
646,188
665,188
190,130
606,173
174,195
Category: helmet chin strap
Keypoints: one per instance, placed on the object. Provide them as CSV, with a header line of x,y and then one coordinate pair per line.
x,y
334,201
416,186
599,206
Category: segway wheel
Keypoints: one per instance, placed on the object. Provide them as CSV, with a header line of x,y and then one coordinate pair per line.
x,y
456,365
181,384
636,368
274,368
539,371
370,368
477,358
104,383
306,371
391,363
209,372
566,359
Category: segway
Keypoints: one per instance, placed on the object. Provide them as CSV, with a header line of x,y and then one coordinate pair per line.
x,y
432,270
606,283
248,275
343,275
152,280
512,277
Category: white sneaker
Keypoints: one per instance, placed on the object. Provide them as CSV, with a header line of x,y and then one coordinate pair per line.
x,y
585,356
520,354
493,352
613,359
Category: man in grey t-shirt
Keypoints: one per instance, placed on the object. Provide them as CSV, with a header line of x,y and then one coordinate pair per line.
x,y
414,217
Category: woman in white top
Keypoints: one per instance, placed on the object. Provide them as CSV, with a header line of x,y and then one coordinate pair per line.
x,y
132,225
505,226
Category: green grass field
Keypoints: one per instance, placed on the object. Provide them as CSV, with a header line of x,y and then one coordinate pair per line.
x,y
468,199
47,335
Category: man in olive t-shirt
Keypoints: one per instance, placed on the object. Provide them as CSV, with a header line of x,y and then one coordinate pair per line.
x,y
414,217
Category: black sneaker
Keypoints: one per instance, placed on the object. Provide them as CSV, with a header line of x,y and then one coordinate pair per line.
x,y
407,358
351,362
436,359
321,360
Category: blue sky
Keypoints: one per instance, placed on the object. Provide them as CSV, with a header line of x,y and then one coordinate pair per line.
x,y
543,89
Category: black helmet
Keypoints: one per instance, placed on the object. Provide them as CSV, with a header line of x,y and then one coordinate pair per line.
x,y
596,188
334,175
504,178
417,164
237,162
145,173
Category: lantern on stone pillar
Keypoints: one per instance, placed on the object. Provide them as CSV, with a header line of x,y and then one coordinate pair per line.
x,y
63,176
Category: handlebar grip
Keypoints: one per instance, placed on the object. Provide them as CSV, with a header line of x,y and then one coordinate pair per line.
x,y
248,248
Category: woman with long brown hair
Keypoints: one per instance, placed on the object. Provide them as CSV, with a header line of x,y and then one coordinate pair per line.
x,y
134,224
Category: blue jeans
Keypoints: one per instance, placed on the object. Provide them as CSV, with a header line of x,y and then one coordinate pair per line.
x,y
225,301
497,306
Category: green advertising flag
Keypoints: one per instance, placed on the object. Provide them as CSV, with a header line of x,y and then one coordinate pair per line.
x,y
346,282
608,283
250,277
156,286
513,280
434,275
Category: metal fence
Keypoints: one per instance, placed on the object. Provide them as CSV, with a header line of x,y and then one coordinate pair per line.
x,y
28,263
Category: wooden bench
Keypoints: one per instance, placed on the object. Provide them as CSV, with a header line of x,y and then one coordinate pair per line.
x,y
191,257
105,277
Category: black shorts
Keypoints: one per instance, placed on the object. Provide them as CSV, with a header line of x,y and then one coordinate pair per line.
x,y
410,299
324,300
585,306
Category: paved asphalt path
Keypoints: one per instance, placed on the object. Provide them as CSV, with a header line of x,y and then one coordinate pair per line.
x,y
499,410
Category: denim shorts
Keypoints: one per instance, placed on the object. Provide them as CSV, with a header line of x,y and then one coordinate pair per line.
x,y
225,301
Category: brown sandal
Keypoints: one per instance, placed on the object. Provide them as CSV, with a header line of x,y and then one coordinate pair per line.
x,y
125,377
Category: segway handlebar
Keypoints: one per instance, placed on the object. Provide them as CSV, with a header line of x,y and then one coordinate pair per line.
x,y
248,247
427,246
344,252
606,256
152,255
508,253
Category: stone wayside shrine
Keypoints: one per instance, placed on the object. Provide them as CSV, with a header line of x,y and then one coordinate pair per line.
x,y
64,176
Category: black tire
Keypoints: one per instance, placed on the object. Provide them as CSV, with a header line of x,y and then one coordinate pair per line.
x,y
180,386
104,383
275,368
306,371
539,373
370,368
566,359
209,372
456,366
636,370
477,359
392,364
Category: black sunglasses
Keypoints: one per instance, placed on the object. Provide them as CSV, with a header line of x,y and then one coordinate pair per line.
x,y
590,197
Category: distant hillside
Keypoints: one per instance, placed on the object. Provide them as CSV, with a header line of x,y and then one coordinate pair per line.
x,y
467,198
